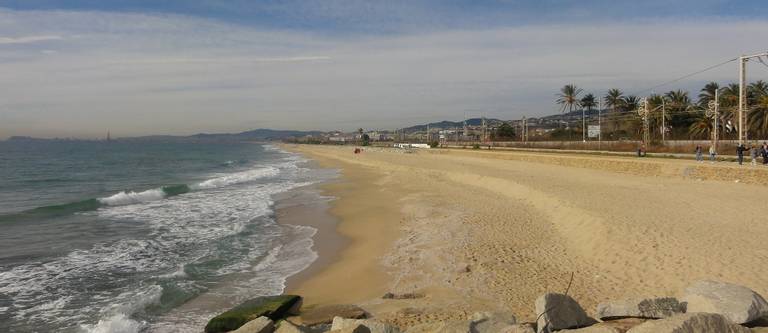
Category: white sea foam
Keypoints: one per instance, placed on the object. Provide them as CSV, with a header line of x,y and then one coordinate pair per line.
x,y
130,197
238,177
179,233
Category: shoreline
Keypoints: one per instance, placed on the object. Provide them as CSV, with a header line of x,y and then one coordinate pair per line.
x,y
308,206
353,273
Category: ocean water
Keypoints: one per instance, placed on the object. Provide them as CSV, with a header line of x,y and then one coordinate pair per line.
x,y
142,237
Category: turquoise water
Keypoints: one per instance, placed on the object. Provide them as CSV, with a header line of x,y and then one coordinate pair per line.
x,y
122,237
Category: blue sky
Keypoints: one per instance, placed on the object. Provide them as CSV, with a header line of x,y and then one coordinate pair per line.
x,y
76,68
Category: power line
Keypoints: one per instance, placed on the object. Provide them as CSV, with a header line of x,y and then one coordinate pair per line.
x,y
685,76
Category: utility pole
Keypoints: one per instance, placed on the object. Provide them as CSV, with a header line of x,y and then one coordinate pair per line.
x,y
713,111
663,121
583,126
642,111
599,123
743,137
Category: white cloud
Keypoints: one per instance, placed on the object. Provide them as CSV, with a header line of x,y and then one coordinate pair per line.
x,y
141,74
27,39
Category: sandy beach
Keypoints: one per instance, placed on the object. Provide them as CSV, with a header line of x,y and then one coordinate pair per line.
x,y
468,231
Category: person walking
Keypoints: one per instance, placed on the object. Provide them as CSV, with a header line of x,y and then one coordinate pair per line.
x,y
699,158
712,154
764,152
740,153
753,154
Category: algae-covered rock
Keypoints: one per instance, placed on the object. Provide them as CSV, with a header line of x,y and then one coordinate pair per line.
x,y
272,307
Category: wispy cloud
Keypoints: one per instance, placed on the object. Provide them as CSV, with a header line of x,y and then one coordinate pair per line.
x,y
141,74
28,39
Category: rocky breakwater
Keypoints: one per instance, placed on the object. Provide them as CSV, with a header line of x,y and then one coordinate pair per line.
x,y
705,306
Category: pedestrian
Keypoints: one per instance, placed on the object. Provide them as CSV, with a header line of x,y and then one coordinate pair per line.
x,y
699,158
740,152
712,154
753,154
764,152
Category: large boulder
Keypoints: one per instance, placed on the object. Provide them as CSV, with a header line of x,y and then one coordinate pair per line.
x,y
640,308
372,325
737,303
258,325
559,311
695,322
325,314
272,307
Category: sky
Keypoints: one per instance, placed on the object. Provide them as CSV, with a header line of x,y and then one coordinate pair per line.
x,y
80,68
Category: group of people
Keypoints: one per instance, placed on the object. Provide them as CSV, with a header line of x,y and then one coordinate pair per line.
x,y
754,151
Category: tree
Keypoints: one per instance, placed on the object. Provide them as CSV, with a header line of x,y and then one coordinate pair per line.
x,y
630,103
707,94
568,97
505,131
758,114
366,140
614,99
700,128
588,102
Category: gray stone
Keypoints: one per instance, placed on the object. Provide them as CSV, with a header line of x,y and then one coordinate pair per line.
x,y
519,328
737,303
453,326
640,308
558,311
325,314
592,329
372,325
352,329
492,321
690,323
258,325
288,327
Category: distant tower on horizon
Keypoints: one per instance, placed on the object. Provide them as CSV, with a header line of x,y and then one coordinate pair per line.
x,y
108,137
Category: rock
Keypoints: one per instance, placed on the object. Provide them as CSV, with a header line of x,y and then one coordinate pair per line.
x,y
325,314
640,308
272,307
453,326
352,329
288,327
737,303
593,329
492,321
258,325
372,325
559,312
402,296
519,328
690,323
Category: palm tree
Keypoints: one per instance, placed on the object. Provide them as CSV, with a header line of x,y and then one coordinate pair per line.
x,y
756,90
678,100
568,97
630,103
758,115
614,99
701,127
707,94
588,102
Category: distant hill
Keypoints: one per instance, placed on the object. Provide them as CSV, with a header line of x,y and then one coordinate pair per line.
x,y
445,124
261,134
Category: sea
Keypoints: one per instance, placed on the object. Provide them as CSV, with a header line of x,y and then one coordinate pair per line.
x,y
143,236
